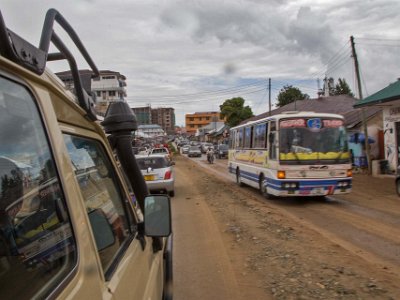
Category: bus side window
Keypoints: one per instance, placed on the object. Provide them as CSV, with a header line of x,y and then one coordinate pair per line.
x,y
240,138
248,137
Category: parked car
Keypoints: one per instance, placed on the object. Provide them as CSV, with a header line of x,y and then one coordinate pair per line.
x,y
205,146
185,149
222,151
194,151
398,185
158,173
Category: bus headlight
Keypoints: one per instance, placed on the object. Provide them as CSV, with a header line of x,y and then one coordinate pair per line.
x,y
343,184
289,185
350,173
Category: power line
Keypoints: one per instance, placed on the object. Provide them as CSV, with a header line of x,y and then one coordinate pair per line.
x,y
379,45
379,39
330,71
221,91
188,101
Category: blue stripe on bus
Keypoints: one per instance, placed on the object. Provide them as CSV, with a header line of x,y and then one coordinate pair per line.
x,y
244,174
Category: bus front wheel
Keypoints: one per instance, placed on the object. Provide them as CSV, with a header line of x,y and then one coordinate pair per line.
x,y
263,188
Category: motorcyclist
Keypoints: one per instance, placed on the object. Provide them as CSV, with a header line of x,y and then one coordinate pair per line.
x,y
210,154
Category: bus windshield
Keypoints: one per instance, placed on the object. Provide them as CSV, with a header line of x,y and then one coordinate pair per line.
x,y
313,141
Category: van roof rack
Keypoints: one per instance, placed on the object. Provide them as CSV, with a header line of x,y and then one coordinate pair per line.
x,y
34,58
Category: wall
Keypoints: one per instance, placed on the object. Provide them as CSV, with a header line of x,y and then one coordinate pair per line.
x,y
390,116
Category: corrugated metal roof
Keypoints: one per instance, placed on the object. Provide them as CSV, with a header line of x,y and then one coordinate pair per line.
x,y
389,93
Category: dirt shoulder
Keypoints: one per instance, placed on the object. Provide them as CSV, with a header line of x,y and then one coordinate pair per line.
x,y
282,257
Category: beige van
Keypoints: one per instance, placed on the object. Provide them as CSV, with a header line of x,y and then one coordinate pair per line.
x,y
73,223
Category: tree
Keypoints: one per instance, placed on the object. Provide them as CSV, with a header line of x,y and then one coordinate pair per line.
x,y
342,88
234,111
289,94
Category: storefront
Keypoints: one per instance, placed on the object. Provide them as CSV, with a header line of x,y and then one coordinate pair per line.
x,y
389,99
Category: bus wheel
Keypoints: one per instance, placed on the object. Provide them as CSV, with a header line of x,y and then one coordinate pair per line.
x,y
263,188
238,180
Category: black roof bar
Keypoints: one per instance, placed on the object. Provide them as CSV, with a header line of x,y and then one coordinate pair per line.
x,y
30,57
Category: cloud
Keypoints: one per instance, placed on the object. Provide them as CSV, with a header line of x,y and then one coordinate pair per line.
x,y
180,47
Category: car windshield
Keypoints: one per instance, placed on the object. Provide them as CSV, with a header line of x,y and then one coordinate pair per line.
x,y
151,162
195,148
223,147
313,139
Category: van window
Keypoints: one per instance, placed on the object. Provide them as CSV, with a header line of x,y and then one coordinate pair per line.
x,y
101,192
37,246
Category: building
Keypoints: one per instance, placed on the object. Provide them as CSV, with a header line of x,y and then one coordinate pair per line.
x,y
200,119
108,87
151,131
143,115
212,132
165,117
388,99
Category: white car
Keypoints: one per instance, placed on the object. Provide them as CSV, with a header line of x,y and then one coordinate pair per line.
x,y
161,151
158,173
185,149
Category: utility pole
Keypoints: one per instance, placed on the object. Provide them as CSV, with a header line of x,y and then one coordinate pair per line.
x,y
269,95
364,121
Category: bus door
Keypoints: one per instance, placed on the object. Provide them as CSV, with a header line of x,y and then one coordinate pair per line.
x,y
272,140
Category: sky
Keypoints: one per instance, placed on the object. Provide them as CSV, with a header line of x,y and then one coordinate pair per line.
x,y
192,55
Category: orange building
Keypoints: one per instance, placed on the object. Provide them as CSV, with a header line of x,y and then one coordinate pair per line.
x,y
200,119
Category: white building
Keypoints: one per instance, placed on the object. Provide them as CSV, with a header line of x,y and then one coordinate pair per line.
x,y
152,130
109,87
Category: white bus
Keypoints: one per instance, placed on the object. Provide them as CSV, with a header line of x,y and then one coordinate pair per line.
x,y
292,154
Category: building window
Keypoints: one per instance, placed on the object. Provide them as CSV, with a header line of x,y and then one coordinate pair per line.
x,y
111,93
207,118
98,93
191,119
108,77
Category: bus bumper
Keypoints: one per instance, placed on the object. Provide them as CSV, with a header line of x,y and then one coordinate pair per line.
x,y
314,187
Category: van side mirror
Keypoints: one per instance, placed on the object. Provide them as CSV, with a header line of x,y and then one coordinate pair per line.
x,y
102,231
157,216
